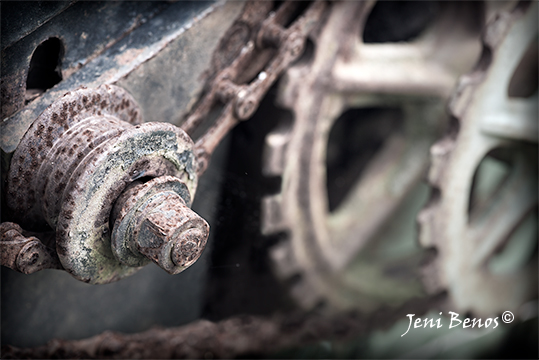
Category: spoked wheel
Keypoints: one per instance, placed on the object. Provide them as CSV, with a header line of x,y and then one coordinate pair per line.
x,y
352,161
482,215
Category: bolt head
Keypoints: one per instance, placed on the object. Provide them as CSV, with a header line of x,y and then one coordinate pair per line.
x,y
246,107
171,234
296,44
187,248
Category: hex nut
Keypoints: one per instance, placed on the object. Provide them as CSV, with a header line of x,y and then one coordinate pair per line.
x,y
159,226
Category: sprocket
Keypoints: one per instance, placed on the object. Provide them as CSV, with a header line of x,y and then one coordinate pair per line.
x,y
473,221
357,255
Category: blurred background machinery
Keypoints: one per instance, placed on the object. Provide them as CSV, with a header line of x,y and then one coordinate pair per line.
x,y
355,161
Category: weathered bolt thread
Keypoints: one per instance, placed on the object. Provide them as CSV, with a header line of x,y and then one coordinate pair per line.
x,y
66,154
34,148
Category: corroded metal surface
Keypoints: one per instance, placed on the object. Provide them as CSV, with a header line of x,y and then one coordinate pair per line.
x,y
151,220
227,339
56,143
323,249
242,336
154,222
76,160
151,150
25,254
25,27
145,57
468,235
247,62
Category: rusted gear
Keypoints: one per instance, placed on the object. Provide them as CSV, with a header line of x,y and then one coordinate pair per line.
x,y
74,163
338,257
487,119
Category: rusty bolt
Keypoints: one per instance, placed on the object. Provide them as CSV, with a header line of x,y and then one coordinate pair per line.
x,y
246,106
155,222
170,234
295,44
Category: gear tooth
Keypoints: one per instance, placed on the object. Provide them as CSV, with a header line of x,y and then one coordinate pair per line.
x,y
425,220
287,94
430,276
285,263
462,96
274,153
305,294
272,215
497,30
284,89
439,154
453,267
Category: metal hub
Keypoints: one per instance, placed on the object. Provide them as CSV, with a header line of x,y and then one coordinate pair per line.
x,y
76,160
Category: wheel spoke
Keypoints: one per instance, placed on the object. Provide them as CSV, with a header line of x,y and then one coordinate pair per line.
x,y
507,209
393,68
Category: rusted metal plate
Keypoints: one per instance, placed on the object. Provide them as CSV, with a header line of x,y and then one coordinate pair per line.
x,y
187,57
135,49
83,40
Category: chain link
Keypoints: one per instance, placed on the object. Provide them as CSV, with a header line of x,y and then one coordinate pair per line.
x,y
240,84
